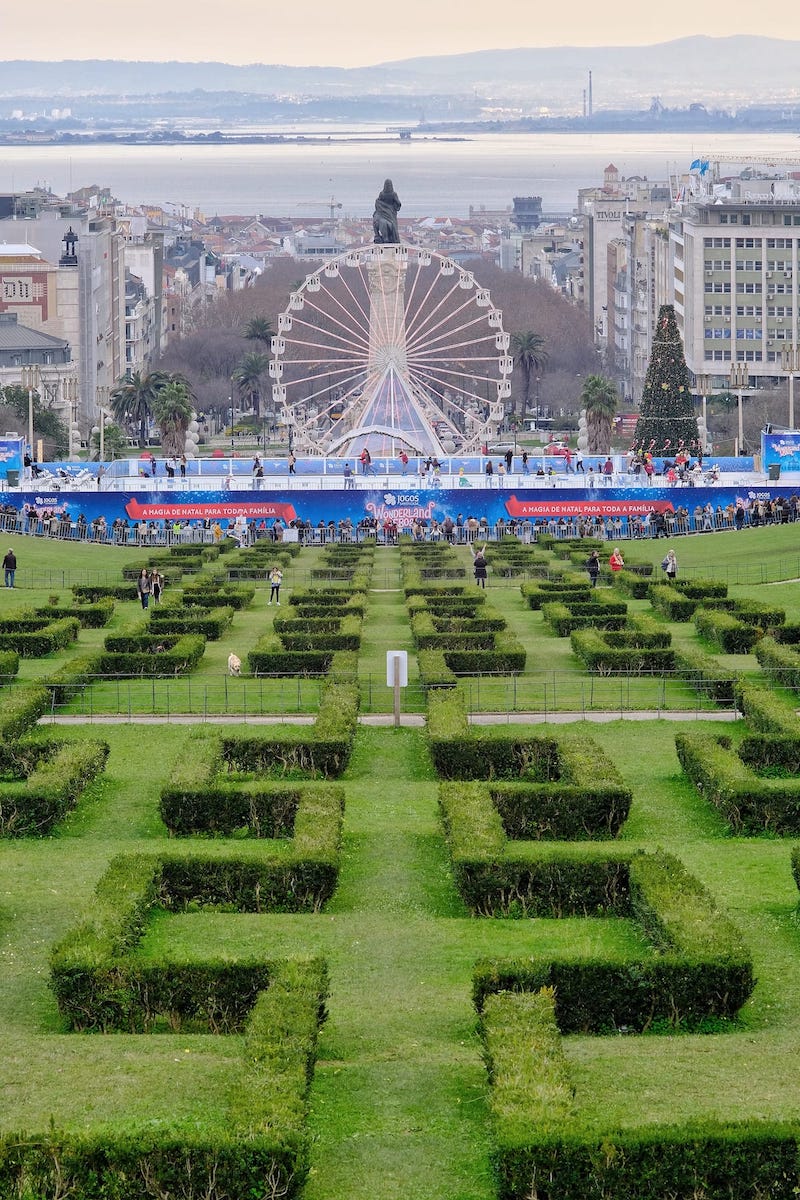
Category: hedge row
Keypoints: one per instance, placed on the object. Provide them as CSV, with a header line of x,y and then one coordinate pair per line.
x,y
566,588
564,616
20,709
93,593
624,652
322,750
748,803
101,985
634,583
91,616
37,636
42,782
726,631
557,758
180,654
9,665
209,623
706,675
699,967
434,671
541,1148
781,663
589,800
213,593
71,677
201,798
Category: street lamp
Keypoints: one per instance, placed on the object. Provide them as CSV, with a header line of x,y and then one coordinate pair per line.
x,y
790,362
30,379
739,380
230,402
704,387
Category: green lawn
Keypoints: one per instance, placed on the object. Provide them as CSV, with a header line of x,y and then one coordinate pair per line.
x,y
398,1102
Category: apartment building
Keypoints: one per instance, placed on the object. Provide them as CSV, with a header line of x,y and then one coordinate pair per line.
x,y
604,211
736,275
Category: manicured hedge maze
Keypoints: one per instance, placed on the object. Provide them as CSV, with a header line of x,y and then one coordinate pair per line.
x,y
40,782
543,1150
33,636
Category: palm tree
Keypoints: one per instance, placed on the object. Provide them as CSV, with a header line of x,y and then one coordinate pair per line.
x,y
248,377
133,398
529,353
599,398
173,411
259,329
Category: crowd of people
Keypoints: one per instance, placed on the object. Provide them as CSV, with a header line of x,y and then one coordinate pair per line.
x,y
655,523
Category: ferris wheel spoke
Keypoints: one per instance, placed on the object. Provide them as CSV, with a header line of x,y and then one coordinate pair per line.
x,y
326,346
359,306
347,370
423,315
331,295
426,329
436,355
411,320
352,337
451,387
325,390
305,362
454,331
456,371
391,326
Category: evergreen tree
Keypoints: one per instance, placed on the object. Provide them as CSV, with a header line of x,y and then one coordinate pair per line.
x,y
667,422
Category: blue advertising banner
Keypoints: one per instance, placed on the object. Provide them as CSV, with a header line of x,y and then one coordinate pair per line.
x,y
11,453
400,506
782,449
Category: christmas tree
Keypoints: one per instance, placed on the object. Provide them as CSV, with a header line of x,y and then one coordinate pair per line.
x,y
667,423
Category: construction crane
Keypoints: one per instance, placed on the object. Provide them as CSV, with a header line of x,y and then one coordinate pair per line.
x,y
331,203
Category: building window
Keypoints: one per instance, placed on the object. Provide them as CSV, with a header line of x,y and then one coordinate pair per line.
x,y
718,287
750,289
749,356
748,310
749,264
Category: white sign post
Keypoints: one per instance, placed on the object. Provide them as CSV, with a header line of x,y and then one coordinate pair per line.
x,y
396,677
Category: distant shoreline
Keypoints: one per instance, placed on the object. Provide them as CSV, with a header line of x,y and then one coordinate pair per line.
x,y
36,141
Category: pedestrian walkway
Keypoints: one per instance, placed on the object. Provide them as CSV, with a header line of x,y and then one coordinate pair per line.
x,y
407,720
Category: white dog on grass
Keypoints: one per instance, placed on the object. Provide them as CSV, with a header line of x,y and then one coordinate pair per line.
x,y
234,665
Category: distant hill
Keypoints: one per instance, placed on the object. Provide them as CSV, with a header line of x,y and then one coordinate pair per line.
x,y
724,71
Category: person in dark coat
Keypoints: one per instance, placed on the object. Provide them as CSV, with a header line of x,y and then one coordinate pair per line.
x,y
479,565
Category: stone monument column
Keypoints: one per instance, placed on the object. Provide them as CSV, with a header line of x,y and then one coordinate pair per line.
x,y
386,275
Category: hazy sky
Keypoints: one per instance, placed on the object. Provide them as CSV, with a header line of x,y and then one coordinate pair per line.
x,y
350,32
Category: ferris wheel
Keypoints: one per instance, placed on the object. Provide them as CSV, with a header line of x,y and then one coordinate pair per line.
x,y
393,347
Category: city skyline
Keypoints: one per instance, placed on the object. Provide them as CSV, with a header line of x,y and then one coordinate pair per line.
x,y
348,35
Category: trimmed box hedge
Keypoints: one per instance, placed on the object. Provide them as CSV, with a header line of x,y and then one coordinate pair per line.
x,y
560,759
541,1148
150,654
35,637
9,665
42,782
638,653
726,631
699,967
209,623
749,803
20,709
780,662
91,616
706,674
311,751
564,616
99,983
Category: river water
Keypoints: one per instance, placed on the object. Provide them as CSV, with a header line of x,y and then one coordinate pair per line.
x,y
433,177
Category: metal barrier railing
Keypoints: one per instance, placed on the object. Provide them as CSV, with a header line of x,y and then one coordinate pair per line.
x,y
543,692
